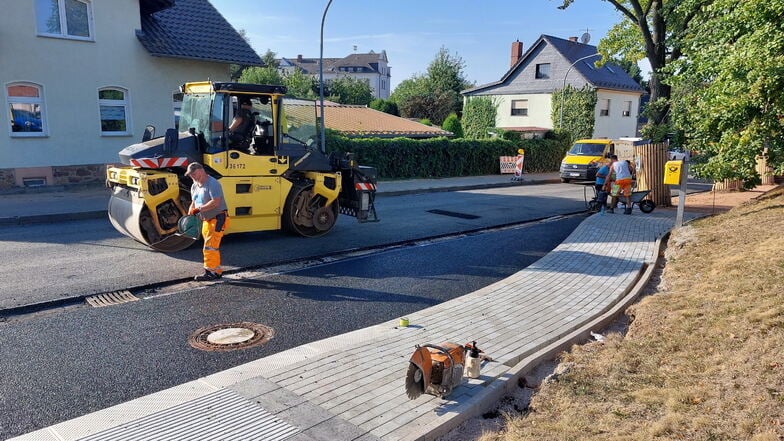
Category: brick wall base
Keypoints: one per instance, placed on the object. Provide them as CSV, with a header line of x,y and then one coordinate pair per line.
x,y
61,175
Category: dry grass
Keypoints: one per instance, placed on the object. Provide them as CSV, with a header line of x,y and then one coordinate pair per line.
x,y
703,358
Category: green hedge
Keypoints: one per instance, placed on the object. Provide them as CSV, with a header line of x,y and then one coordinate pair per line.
x,y
403,158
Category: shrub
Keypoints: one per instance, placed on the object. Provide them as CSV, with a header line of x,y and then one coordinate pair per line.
x,y
452,124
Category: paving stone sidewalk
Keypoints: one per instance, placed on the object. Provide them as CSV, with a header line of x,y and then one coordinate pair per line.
x,y
351,387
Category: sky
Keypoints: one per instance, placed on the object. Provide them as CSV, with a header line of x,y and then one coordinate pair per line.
x,y
480,32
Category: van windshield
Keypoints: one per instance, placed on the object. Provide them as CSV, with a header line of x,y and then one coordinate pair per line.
x,y
585,149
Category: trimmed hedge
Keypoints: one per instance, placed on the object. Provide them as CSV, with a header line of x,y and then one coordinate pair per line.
x,y
404,158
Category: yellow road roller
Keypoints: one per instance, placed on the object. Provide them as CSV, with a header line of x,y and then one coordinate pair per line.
x,y
273,174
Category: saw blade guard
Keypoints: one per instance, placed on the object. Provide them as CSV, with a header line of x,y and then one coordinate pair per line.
x,y
420,368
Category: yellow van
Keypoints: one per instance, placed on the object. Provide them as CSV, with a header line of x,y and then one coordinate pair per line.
x,y
584,158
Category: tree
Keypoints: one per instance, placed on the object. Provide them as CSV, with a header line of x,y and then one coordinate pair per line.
x,y
446,75
578,110
452,124
261,75
479,117
269,59
437,93
349,90
301,86
386,106
730,83
652,29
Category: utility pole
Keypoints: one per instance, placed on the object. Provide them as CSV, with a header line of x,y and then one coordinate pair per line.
x,y
321,79
560,120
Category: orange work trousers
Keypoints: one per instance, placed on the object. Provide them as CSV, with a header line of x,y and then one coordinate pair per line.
x,y
212,240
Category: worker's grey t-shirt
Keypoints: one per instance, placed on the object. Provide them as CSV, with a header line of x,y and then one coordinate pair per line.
x,y
202,195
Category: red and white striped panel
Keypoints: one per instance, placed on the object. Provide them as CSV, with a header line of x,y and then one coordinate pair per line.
x,y
365,186
145,162
159,162
173,162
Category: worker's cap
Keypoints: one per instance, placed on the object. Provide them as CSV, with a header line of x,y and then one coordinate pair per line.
x,y
193,166
244,100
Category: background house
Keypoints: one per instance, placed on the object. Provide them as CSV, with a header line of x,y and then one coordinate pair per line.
x,y
80,79
371,67
524,93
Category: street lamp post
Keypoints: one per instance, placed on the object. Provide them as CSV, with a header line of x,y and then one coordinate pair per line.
x,y
560,120
321,79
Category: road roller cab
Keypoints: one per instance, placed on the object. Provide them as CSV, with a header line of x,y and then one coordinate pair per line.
x,y
273,175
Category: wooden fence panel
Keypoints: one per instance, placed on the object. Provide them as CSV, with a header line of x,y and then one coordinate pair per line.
x,y
650,175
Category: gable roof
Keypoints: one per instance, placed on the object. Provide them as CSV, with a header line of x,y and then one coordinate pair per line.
x,y
609,76
192,29
368,63
363,121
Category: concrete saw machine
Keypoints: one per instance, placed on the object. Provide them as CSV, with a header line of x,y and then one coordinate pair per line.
x,y
273,175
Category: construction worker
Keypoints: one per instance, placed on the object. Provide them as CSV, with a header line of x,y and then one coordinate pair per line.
x,y
209,205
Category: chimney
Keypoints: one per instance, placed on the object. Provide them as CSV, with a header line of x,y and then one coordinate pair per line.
x,y
517,52
574,39
299,58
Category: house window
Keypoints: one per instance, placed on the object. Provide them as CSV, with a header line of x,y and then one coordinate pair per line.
x,y
543,71
519,107
113,104
26,109
64,18
628,108
605,109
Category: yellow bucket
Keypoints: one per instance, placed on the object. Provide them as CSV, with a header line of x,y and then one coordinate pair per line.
x,y
403,322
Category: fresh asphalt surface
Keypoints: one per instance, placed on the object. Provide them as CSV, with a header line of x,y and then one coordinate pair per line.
x,y
44,262
109,355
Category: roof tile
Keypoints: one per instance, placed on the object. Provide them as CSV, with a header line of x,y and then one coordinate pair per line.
x,y
193,29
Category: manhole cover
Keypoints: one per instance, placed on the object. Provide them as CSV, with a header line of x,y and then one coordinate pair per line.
x,y
230,336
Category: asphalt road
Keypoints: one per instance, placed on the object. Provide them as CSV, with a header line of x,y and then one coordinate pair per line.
x,y
66,362
50,262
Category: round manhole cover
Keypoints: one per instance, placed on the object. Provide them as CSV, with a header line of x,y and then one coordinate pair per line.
x,y
230,336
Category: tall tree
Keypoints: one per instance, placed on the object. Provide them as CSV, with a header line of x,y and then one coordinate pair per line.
x,y
730,83
435,94
652,29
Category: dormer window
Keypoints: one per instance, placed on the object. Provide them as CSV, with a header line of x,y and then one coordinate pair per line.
x,y
64,18
543,71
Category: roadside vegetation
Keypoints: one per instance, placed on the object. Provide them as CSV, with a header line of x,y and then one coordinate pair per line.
x,y
702,358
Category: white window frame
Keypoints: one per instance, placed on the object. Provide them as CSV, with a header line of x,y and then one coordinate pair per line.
x,y
64,22
606,110
540,73
513,108
628,111
125,103
27,100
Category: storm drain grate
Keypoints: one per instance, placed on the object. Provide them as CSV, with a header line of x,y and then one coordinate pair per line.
x,y
230,336
454,214
111,298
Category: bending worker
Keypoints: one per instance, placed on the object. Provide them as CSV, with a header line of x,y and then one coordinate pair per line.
x,y
208,204
623,178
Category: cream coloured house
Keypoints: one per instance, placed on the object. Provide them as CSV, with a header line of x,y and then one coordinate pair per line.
x,y
82,78
524,94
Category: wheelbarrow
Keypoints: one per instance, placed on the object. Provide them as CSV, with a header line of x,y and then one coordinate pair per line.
x,y
638,198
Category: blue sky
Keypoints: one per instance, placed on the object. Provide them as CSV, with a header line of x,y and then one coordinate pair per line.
x,y
480,32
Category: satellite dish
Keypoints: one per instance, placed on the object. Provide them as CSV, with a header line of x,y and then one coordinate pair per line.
x,y
586,37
